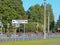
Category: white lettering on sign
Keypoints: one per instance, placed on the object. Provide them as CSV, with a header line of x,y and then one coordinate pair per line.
x,y
19,21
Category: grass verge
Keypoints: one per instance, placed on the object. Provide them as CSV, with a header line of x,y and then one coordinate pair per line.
x,y
32,42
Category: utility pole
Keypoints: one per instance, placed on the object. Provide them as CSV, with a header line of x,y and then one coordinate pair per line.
x,y
44,19
48,21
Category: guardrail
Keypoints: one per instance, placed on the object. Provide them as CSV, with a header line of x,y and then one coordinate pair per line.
x,y
26,36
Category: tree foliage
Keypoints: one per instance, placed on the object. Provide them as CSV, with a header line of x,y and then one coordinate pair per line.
x,y
11,9
58,23
36,14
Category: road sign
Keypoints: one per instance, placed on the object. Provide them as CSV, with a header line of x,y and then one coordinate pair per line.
x,y
17,25
20,21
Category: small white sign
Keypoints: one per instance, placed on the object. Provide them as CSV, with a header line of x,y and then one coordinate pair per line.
x,y
37,25
17,25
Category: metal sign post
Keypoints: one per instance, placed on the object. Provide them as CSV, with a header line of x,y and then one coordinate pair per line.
x,y
14,27
8,25
24,28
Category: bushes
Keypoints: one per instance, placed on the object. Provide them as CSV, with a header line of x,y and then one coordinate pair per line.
x,y
31,26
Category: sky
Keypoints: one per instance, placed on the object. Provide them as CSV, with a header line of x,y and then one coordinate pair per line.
x,y
55,6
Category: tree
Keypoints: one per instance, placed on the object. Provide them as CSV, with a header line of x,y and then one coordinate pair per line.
x,y
36,14
11,9
58,23
50,10
32,26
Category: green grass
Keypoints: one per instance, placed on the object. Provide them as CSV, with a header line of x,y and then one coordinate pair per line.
x,y
32,42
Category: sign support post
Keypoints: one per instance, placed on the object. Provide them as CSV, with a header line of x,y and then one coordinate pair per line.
x,y
24,28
